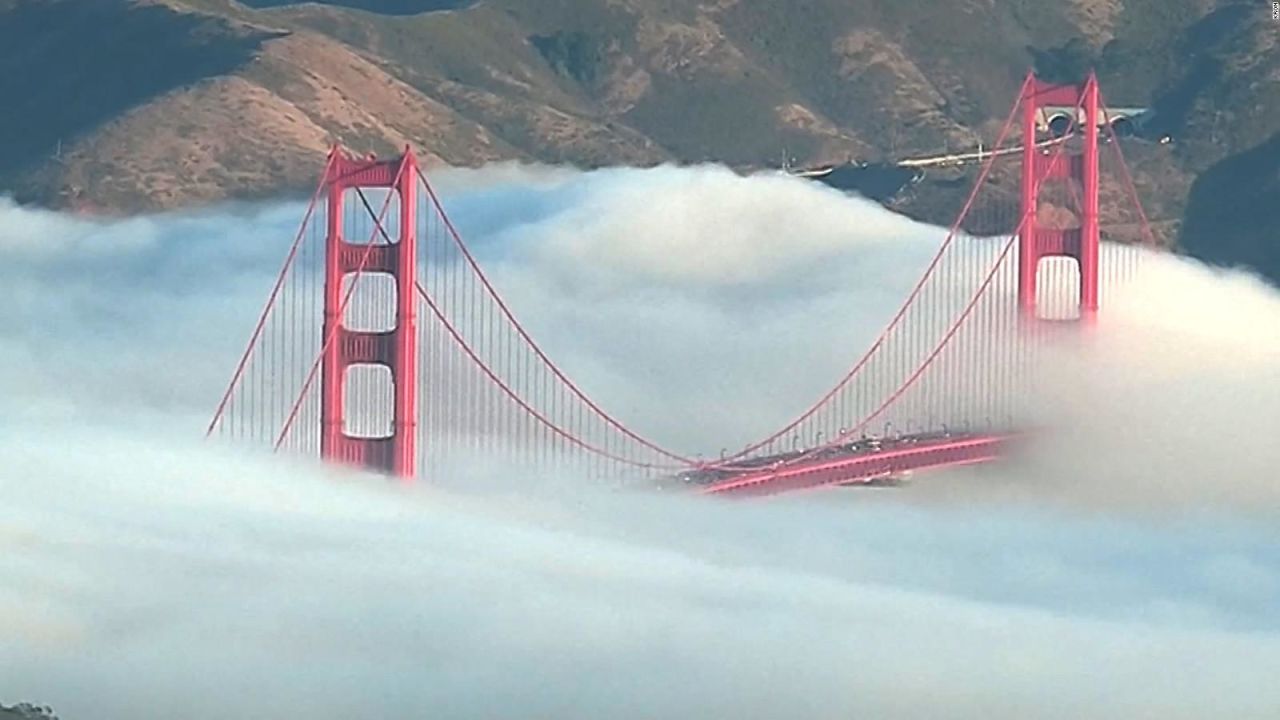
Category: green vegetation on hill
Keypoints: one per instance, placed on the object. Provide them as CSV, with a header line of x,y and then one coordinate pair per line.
x,y
196,100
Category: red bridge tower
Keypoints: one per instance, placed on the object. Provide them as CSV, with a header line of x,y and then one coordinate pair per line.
x,y
1037,241
393,254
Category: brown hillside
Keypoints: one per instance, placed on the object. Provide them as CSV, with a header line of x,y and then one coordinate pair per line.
x,y
195,100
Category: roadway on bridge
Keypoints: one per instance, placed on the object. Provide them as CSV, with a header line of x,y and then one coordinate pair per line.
x,y
866,461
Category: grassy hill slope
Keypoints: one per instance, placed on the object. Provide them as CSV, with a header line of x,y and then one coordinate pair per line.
x,y
196,100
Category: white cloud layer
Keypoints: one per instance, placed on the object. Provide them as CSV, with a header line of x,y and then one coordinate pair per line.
x,y
146,574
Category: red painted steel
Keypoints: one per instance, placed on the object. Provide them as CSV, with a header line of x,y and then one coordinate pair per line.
x,y
395,349
1090,238
898,317
495,393
271,298
506,390
865,466
1143,222
524,335
1036,241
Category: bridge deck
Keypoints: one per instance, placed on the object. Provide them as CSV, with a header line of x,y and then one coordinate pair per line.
x,y
863,462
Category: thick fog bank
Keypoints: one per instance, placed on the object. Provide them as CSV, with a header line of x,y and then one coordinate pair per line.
x,y
1124,566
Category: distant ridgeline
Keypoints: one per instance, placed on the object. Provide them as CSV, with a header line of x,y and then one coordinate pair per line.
x,y
384,7
884,181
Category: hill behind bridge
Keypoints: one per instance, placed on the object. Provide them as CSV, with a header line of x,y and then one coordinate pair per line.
x,y
127,105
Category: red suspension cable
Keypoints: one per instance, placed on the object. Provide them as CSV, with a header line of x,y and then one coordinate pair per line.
x,y
515,397
537,350
342,308
271,298
893,323
902,389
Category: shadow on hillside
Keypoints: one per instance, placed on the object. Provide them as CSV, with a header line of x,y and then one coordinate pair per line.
x,y
381,7
70,67
1201,47
1232,213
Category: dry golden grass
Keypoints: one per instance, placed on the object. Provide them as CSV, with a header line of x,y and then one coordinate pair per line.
x,y
246,103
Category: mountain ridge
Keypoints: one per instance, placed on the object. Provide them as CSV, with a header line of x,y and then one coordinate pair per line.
x,y
249,96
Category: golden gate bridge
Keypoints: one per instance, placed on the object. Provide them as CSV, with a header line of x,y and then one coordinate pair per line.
x,y
384,345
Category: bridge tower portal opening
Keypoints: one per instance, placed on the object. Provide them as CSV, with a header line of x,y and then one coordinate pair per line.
x,y
349,350
1037,240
